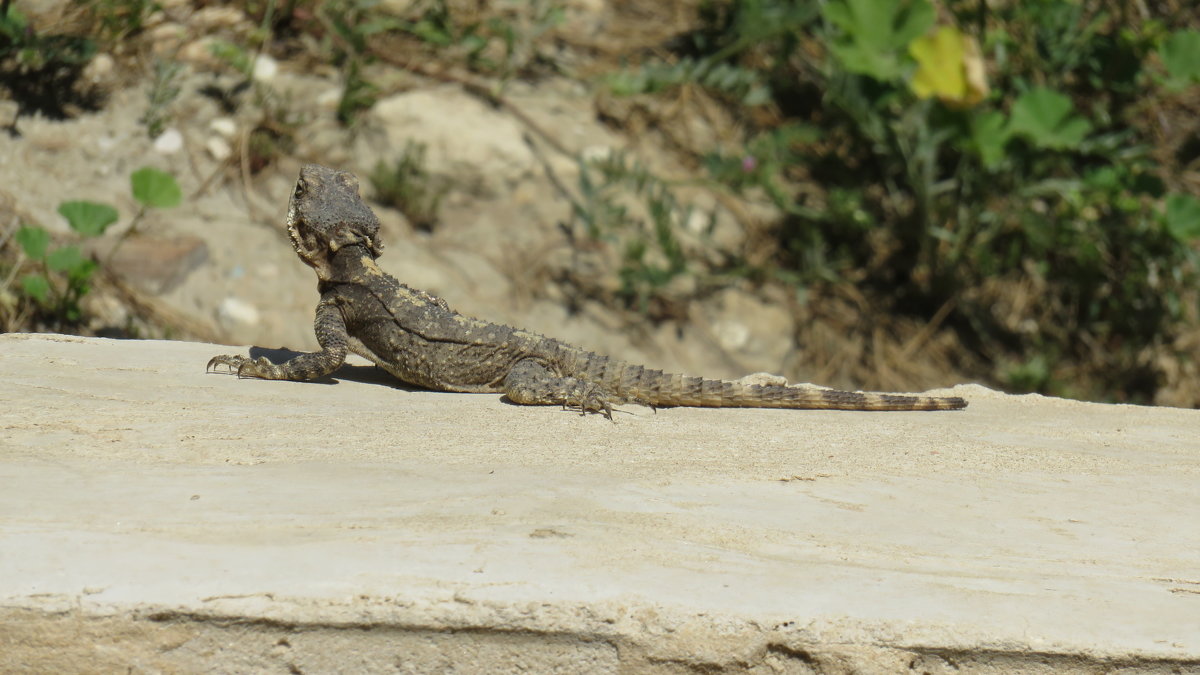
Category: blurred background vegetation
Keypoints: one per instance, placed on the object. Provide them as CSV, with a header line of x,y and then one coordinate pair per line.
x,y
1021,177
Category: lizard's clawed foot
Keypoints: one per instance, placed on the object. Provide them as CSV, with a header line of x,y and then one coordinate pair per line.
x,y
242,366
589,398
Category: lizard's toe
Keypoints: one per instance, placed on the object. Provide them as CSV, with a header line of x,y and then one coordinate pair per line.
x,y
257,368
230,361
592,398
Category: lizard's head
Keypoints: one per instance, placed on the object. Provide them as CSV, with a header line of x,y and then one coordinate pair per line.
x,y
326,214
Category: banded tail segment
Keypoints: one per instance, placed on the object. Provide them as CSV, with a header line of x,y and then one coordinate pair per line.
x,y
656,388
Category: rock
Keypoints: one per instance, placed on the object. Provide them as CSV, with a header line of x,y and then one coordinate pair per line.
x,y
763,379
265,68
155,518
479,148
584,17
756,332
397,7
220,18
100,73
235,311
165,40
218,148
154,264
9,110
226,127
169,141
199,53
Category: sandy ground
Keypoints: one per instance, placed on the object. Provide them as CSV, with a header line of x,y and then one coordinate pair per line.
x,y
157,518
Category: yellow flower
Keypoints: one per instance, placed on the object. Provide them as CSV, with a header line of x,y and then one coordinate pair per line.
x,y
950,67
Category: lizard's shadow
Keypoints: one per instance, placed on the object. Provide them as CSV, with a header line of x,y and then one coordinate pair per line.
x,y
365,374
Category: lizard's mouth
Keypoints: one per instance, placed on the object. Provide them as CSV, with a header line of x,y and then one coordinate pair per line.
x,y
293,234
309,250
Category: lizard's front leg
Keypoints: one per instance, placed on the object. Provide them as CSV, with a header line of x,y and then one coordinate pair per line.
x,y
330,328
531,383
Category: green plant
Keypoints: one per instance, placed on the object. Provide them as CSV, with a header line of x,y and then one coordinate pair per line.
x,y
40,71
739,84
520,36
66,264
873,36
1180,54
407,185
236,57
118,19
163,91
358,94
273,133
351,24
1045,118
955,159
33,51
61,275
624,204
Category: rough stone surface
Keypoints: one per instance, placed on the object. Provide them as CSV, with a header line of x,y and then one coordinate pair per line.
x,y
155,518
464,137
156,264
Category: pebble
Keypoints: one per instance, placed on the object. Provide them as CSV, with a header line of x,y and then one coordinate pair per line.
x,y
265,68
237,311
169,141
218,148
226,127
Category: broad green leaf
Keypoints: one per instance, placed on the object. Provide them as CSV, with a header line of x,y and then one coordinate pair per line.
x,y
1045,118
1104,178
65,259
1183,217
33,240
1180,53
36,286
80,273
88,218
989,136
874,33
949,67
155,188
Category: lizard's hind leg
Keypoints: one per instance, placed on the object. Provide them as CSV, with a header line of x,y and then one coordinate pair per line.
x,y
531,383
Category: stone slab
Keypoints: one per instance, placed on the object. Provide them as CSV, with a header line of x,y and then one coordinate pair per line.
x,y
155,518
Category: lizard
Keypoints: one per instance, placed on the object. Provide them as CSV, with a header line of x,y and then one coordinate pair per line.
x,y
416,336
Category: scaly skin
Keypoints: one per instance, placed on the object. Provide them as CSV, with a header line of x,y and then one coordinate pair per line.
x,y
416,337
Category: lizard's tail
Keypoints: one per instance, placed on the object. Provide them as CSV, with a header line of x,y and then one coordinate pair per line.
x,y
656,388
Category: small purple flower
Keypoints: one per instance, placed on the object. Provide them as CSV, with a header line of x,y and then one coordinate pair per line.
x,y
749,163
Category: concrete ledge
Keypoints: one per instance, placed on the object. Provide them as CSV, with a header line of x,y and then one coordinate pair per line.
x,y
155,518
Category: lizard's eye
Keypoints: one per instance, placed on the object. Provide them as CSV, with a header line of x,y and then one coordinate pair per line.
x,y
299,189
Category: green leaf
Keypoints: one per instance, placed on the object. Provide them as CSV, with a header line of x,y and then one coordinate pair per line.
x,y
989,136
1045,118
1183,217
65,259
155,188
1105,179
36,286
88,218
875,33
33,240
1180,54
